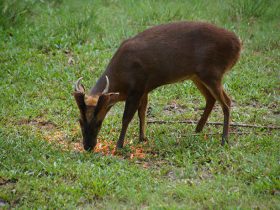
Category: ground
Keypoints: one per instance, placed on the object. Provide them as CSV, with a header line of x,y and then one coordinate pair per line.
x,y
47,45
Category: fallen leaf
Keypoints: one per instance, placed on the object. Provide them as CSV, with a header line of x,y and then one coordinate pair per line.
x,y
146,165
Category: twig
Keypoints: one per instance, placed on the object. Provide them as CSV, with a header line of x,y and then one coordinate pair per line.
x,y
215,123
212,134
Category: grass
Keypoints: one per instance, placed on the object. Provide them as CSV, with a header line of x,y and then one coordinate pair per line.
x,y
47,45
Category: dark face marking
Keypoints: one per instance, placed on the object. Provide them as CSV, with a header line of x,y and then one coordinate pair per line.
x,y
90,131
92,116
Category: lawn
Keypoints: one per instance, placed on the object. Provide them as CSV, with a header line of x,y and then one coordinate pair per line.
x,y
46,45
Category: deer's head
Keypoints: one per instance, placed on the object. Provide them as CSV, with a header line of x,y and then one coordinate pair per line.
x,y
93,109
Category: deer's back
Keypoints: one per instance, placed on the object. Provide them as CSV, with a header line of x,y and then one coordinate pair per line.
x,y
176,51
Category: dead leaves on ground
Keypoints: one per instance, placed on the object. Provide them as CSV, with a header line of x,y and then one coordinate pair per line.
x,y
52,134
109,148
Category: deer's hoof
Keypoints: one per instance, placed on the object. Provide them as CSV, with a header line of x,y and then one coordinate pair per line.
x,y
143,139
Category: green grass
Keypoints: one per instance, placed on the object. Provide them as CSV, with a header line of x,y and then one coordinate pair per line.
x,y
40,166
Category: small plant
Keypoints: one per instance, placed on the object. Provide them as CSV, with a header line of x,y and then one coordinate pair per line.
x,y
14,12
241,9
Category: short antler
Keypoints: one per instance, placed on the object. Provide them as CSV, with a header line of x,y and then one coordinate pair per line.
x,y
106,89
79,87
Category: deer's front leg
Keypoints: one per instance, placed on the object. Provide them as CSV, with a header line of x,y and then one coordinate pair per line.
x,y
131,106
142,117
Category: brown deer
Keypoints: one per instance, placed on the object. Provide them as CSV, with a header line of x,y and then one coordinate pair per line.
x,y
160,55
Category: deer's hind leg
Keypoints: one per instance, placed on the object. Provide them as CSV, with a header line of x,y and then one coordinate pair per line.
x,y
210,102
214,85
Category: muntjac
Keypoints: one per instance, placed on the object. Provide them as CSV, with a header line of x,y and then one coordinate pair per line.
x,y
160,55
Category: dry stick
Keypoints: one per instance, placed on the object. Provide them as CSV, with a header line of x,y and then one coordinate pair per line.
x,y
214,123
212,134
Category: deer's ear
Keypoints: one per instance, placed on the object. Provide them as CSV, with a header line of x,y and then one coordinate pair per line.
x,y
113,98
105,101
101,104
80,100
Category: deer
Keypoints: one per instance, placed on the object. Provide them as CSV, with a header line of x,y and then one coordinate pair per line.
x,y
160,55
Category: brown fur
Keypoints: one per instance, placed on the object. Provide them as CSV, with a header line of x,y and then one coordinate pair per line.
x,y
91,100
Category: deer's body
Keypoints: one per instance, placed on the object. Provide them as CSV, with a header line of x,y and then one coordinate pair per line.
x,y
167,54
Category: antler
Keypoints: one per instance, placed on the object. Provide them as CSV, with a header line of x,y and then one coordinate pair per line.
x,y
79,87
106,89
